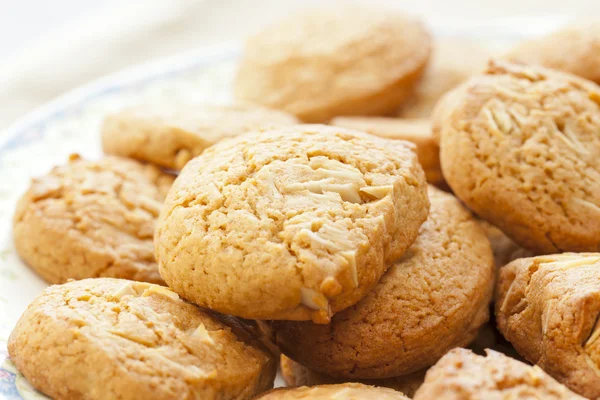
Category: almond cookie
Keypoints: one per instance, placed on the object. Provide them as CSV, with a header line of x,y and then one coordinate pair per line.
x,y
461,374
452,62
432,299
346,391
548,307
520,147
295,374
574,49
334,61
88,219
291,223
111,338
171,135
417,131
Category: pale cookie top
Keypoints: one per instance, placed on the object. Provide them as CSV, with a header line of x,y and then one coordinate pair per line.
x,y
334,61
548,308
433,298
117,339
417,131
574,49
92,218
452,62
296,374
343,391
291,223
461,375
171,134
520,147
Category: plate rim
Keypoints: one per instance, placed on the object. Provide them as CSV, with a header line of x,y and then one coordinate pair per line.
x,y
130,76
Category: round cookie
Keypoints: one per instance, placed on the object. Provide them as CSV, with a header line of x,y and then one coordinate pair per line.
x,y
432,299
89,219
574,49
520,147
452,62
111,338
290,223
417,131
334,61
329,392
295,374
548,307
461,374
170,135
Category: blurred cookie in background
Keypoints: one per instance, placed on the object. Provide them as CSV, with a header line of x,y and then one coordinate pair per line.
x,y
169,135
574,49
452,62
328,62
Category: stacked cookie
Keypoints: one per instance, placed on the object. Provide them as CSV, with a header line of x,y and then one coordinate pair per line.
x,y
325,243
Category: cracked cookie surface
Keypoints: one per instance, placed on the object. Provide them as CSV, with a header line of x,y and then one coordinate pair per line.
x,y
548,308
295,374
461,374
334,61
574,49
520,146
291,223
88,219
108,338
417,131
343,391
170,135
433,298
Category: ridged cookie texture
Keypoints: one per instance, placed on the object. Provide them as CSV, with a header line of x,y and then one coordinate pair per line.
x,y
572,49
88,219
296,374
290,223
432,299
461,374
108,338
520,146
548,308
169,135
334,61
332,392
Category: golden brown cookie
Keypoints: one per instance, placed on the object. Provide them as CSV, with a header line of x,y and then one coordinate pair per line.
x,y
520,147
452,62
505,250
461,375
170,135
574,49
432,299
548,308
417,131
291,223
110,338
92,218
296,374
343,391
334,61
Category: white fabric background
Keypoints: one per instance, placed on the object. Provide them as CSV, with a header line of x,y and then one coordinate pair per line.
x,y
48,47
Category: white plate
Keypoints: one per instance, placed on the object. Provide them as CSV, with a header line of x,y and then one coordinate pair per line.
x,y
70,124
